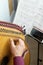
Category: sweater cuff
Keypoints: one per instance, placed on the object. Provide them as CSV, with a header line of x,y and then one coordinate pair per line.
x,y
18,60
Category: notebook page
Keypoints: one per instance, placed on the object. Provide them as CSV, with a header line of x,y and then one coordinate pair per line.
x,y
29,13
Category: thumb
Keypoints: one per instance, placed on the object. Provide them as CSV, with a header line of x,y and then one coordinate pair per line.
x,y
12,43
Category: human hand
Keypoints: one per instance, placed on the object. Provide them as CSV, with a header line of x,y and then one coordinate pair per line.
x,y
17,50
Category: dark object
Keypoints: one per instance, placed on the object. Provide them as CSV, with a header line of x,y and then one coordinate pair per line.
x,y
24,30
37,34
5,60
40,60
15,4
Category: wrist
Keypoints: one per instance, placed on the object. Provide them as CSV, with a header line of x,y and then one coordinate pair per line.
x,y
17,55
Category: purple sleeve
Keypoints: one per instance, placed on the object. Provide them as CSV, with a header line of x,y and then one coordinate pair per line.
x,y
18,61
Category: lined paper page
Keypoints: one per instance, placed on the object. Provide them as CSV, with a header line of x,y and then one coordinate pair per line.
x,y
29,13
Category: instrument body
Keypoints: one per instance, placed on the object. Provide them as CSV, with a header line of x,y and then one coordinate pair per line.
x,y
13,31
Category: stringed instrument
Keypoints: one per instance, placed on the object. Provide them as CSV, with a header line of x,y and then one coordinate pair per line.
x,y
7,31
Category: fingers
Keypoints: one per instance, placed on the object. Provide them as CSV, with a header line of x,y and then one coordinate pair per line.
x,y
12,43
21,42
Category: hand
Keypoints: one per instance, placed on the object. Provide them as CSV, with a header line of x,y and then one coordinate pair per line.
x,y
17,50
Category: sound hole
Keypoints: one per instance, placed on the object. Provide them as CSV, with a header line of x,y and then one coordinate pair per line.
x,y
5,60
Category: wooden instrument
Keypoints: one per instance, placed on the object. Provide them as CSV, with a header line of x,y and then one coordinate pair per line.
x,y
7,31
